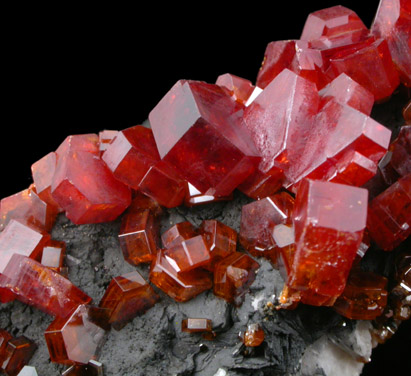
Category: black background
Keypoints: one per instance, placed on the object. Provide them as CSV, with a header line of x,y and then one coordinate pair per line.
x,y
78,70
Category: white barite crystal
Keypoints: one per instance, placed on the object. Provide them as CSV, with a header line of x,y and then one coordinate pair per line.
x,y
28,371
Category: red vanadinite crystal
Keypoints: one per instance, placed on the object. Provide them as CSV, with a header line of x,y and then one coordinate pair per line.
x,y
36,285
74,339
393,23
79,142
240,89
346,91
53,255
27,207
221,240
407,113
194,197
389,215
191,325
253,336
5,337
364,296
329,222
199,124
18,238
179,286
127,296
18,352
104,139
178,233
83,185
258,220
233,275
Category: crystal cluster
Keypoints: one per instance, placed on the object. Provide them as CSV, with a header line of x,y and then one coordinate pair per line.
x,y
323,179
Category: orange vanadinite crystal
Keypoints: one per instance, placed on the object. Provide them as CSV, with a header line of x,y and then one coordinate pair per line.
x,y
178,233
18,238
189,254
127,296
199,124
258,220
240,88
53,255
364,296
83,185
27,207
36,285
180,286
139,235
104,138
131,154
406,112
74,339
43,172
141,202
191,325
233,275
329,221
5,337
221,240
253,336
346,91
389,215
18,352
393,23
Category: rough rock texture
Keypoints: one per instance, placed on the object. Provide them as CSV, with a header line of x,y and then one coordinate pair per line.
x,y
153,344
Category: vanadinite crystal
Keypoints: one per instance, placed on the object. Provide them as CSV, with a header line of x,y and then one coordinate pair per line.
x,y
127,296
253,336
53,255
37,285
83,185
18,352
5,337
329,221
199,124
92,368
407,113
104,139
74,339
177,234
239,88
364,296
393,22
389,215
191,325
233,275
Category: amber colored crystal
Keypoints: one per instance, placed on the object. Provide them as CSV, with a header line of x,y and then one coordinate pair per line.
x,y
53,255
164,184
139,235
104,139
194,197
332,23
406,112
240,88
389,215
189,254
5,337
221,240
74,339
36,285
364,296
233,275
43,172
18,238
253,335
141,202
127,296
258,220
329,221
346,91
87,190
18,352
194,325
178,233
393,23
199,124
179,286
92,368
27,207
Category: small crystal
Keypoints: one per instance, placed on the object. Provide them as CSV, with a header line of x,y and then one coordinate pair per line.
x,y
253,336
177,234
192,325
17,354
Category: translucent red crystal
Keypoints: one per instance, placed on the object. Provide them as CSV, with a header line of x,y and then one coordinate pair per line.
x,y
83,185
329,222
393,23
104,139
179,286
53,255
36,285
240,88
5,337
18,352
389,215
194,325
364,296
194,197
233,276
74,339
200,124
127,296
407,113
178,233
253,335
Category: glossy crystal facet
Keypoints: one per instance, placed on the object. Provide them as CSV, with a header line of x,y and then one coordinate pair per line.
x,y
196,325
18,353
178,233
